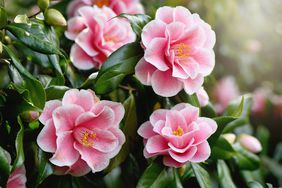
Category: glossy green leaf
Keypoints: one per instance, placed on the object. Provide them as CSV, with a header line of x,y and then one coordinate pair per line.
x,y
4,167
19,146
235,109
45,168
208,111
55,92
3,17
35,36
137,21
176,182
245,159
224,176
155,176
222,149
191,99
273,166
255,184
129,129
263,136
121,63
202,176
35,88
221,124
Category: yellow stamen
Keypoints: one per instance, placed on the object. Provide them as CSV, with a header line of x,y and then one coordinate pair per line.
x,y
85,138
178,132
101,3
109,38
181,50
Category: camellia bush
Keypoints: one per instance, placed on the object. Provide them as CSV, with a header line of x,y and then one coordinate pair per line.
x,y
112,97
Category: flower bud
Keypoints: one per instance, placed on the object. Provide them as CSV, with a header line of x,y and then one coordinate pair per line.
x,y
21,18
54,17
43,4
250,143
1,47
30,116
230,137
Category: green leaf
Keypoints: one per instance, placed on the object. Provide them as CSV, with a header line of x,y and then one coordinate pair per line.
x,y
235,109
221,124
176,182
208,111
263,136
35,36
4,167
202,176
2,3
273,166
155,176
129,129
245,159
224,176
45,168
255,184
55,92
19,146
137,21
121,63
222,149
3,17
191,99
35,88
245,110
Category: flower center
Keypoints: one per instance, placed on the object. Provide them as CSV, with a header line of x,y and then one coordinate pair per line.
x,y
87,138
110,39
181,51
178,132
101,3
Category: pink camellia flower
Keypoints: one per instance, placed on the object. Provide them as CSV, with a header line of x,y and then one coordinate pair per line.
x,y
17,178
250,143
179,135
202,97
96,34
81,131
178,52
118,6
224,92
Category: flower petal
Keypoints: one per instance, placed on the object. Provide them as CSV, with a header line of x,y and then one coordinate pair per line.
x,y
154,29
96,160
156,144
47,137
183,157
65,154
164,84
84,98
144,71
193,85
202,154
155,53
146,130
64,117
80,59
49,107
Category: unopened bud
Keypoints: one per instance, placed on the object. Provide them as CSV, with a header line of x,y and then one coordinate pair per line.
x,y
250,143
1,47
54,17
21,18
30,116
230,137
43,4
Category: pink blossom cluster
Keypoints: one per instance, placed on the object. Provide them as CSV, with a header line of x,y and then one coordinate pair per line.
x,y
97,34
